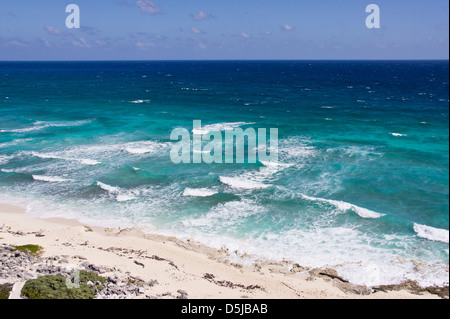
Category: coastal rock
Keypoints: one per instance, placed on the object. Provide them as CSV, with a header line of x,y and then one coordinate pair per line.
x,y
326,273
18,266
339,282
353,289
297,268
413,287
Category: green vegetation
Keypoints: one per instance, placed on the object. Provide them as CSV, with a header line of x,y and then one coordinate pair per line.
x,y
54,287
86,276
5,290
33,250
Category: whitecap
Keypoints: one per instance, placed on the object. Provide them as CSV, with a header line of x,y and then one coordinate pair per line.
x,y
431,233
120,195
5,159
397,134
344,206
39,125
110,189
145,147
243,183
54,156
219,127
296,150
15,142
87,161
50,179
140,101
199,192
276,165
364,152
125,197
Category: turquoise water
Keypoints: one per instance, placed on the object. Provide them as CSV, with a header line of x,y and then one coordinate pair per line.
x,y
361,183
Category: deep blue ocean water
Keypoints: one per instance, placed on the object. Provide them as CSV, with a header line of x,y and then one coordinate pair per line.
x,y
361,183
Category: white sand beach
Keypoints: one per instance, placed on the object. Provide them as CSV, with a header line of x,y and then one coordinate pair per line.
x,y
198,271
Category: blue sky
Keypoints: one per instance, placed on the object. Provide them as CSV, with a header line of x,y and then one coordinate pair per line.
x,y
218,29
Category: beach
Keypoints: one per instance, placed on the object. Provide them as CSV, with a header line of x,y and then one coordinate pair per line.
x,y
167,266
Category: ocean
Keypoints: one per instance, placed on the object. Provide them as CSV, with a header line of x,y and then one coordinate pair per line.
x,y
361,184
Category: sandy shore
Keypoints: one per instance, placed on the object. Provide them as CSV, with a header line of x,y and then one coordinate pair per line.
x,y
201,272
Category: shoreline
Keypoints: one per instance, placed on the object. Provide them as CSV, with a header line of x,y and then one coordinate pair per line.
x,y
167,266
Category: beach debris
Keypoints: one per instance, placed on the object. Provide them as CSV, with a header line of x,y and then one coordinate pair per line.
x,y
229,284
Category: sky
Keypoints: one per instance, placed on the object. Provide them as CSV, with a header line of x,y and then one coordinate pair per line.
x,y
223,30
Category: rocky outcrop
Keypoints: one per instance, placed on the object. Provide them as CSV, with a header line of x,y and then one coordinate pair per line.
x,y
38,273
347,287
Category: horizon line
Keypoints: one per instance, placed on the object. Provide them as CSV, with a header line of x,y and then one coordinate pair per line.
x,y
225,60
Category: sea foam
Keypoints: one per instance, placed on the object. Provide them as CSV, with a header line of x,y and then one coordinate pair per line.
x,y
140,101
431,233
119,194
146,147
243,183
50,179
228,214
15,142
344,206
5,159
398,134
40,125
55,156
219,127
199,192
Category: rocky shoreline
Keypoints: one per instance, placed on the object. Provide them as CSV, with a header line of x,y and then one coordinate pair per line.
x,y
21,266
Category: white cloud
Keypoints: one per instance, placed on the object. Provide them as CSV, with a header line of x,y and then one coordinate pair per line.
x,y
288,27
144,45
17,43
81,43
46,43
197,30
245,35
148,7
202,15
56,31
266,33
